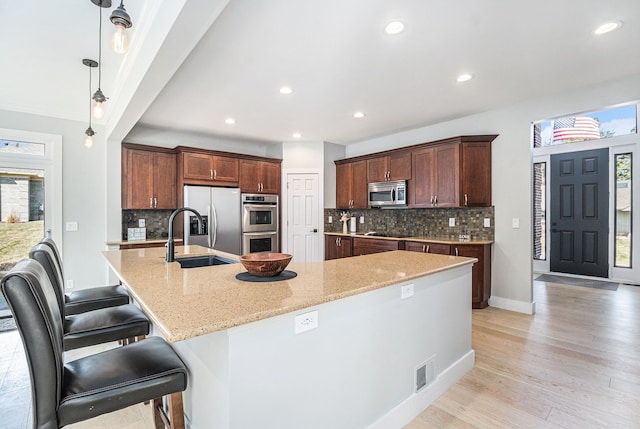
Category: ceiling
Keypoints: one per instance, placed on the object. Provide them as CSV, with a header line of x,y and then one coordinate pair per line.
x,y
334,54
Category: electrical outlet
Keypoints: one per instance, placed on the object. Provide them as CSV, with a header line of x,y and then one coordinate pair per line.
x,y
406,291
68,284
515,222
306,322
71,226
330,220
141,223
487,222
452,221
361,219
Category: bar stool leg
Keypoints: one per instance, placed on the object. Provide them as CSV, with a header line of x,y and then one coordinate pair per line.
x,y
175,420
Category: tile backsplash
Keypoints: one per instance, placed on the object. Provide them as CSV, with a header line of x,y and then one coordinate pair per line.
x,y
156,222
432,222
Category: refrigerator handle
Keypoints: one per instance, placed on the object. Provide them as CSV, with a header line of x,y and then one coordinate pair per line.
x,y
209,226
214,226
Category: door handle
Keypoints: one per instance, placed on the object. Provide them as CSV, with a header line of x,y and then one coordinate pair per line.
x,y
314,230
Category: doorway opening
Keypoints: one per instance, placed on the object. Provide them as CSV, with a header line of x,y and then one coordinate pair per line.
x,y
583,195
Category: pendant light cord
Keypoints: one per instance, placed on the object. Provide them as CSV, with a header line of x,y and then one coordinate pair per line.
x,y
89,96
100,47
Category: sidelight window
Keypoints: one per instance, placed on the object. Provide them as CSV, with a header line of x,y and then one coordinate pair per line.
x,y
539,211
624,207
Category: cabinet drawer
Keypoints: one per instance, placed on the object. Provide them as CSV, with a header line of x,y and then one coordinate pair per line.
x,y
366,246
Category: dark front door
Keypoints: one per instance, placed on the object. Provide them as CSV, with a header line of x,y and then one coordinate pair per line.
x,y
580,213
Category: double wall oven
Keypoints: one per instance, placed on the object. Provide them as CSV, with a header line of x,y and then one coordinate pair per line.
x,y
259,223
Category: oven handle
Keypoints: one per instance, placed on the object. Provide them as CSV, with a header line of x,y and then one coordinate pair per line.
x,y
259,206
254,234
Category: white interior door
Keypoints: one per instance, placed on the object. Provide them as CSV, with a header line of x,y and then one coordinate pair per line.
x,y
303,228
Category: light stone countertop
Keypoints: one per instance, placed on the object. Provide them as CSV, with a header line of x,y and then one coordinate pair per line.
x,y
147,241
185,303
425,239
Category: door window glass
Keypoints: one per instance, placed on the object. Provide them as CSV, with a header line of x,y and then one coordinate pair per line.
x,y
624,207
539,211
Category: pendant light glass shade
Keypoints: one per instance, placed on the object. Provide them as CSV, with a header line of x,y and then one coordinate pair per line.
x,y
121,19
88,139
97,108
119,40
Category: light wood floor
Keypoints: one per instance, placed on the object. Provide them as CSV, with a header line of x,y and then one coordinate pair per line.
x,y
575,364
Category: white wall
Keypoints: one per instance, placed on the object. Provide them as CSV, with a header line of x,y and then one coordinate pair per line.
x,y
83,195
512,267
331,153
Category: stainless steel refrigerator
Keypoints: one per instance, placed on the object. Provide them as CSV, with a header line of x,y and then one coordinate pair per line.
x,y
221,212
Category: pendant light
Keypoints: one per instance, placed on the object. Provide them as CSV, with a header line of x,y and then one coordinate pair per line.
x,y
98,97
89,133
121,19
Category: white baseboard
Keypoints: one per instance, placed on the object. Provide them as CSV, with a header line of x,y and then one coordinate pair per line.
x,y
513,305
410,408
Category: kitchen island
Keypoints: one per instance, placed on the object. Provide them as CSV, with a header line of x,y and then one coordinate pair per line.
x,y
385,322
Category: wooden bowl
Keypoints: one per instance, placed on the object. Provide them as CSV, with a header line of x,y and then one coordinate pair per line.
x,y
265,264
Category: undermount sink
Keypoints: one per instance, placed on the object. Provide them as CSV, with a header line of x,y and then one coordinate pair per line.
x,y
203,261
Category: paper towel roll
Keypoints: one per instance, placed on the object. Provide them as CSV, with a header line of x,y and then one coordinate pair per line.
x,y
352,224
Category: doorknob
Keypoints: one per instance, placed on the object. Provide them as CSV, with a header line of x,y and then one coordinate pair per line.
x,y
314,230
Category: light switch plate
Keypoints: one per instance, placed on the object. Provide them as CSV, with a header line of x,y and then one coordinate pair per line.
x,y
330,220
487,222
141,223
452,221
71,226
361,219
515,222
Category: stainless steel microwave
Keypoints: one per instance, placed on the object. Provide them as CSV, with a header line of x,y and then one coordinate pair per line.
x,y
388,194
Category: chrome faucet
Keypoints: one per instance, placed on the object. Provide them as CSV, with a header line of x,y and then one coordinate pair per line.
x,y
170,245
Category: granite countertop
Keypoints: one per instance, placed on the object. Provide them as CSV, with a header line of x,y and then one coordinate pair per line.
x,y
185,303
426,239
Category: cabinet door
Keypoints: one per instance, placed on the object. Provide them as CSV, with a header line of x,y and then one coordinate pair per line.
x,y
359,185
415,246
480,273
270,180
249,176
344,182
400,166
476,174
225,169
137,179
330,247
446,179
345,247
377,169
197,166
366,246
164,181
421,185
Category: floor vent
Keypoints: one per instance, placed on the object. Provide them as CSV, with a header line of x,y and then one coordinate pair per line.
x,y
425,373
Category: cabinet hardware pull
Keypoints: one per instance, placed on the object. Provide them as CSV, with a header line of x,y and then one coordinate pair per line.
x,y
211,174
337,238
466,199
150,202
424,249
456,251
435,200
155,203
215,174
427,249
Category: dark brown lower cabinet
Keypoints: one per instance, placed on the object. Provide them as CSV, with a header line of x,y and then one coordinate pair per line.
x,y
337,246
480,273
366,246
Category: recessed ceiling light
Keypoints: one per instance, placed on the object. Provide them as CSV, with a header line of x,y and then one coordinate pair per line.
x,y
286,90
394,27
608,27
230,121
464,77
296,135
358,115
